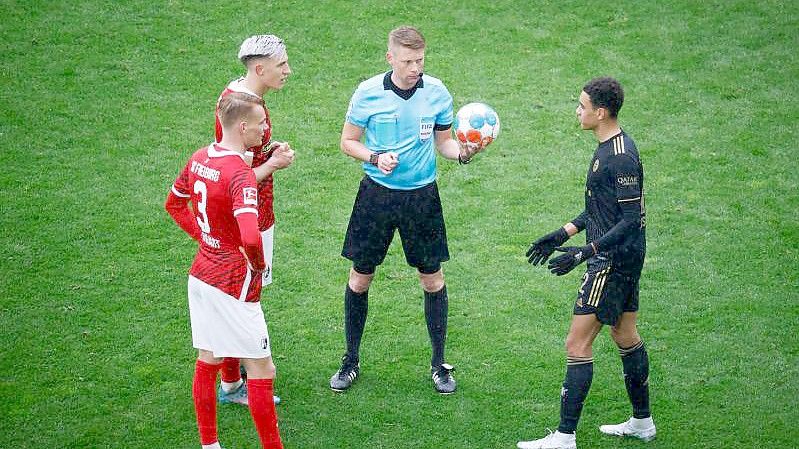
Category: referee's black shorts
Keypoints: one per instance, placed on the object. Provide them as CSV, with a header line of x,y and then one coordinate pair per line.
x,y
378,211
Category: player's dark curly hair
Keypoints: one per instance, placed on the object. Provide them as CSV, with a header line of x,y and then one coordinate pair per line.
x,y
605,92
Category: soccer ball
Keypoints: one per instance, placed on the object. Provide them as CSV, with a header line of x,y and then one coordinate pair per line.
x,y
476,123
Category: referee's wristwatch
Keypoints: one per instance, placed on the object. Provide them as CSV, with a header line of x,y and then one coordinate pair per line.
x,y
373,158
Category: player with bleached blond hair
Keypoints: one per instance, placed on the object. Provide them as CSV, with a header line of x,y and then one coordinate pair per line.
x,y
265,58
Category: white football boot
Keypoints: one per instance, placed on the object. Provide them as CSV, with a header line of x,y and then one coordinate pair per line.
x,y
554,440
643,429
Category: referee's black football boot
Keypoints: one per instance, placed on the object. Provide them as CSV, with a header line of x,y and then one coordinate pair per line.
x,y
442,378
346,375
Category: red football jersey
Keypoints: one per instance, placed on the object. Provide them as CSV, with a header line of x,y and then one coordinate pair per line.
x,y
220,186
266,214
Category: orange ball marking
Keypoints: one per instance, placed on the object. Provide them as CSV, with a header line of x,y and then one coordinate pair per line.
x,y
460,135
474,136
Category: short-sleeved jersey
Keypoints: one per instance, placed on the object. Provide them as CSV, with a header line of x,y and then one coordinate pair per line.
x,y
220,186
616,176
405,126
266,213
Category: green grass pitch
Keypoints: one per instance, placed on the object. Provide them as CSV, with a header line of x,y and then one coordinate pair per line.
x,y
102,102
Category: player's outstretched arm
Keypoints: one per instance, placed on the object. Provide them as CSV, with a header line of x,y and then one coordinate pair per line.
x,y
178,209
541,249
573,256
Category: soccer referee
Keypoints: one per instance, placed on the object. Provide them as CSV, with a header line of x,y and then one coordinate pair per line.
x,y
614,220
402,116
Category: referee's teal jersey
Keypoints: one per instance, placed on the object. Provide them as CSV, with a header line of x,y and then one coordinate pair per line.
x,y
404,126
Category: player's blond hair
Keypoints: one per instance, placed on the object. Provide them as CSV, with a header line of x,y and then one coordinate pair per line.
x,y
236,107
261,46
406,36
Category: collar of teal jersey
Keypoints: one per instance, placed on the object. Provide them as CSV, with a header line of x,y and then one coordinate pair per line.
x,y
404,94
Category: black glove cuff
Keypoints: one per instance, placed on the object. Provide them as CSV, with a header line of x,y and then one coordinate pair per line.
x,y
579,223
561,235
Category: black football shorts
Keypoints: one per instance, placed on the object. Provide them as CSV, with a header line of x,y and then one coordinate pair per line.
x,y
378,211
607,293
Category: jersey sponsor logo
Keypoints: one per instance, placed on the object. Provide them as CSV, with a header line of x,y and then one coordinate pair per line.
x,y
425,128
250,195
596,166
204,172
627,180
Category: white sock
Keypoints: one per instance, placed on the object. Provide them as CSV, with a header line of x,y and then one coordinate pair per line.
x,y
229,387
642,423
212,446
565,436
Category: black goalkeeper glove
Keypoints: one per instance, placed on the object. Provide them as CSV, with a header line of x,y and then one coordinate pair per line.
x,y
574,255
542,248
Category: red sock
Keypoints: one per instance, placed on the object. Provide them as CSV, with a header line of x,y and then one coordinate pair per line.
x,y
262,409
204,392
230,370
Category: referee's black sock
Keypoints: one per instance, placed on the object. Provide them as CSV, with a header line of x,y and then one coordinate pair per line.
x,y
579,373
356,306
636,378
436,306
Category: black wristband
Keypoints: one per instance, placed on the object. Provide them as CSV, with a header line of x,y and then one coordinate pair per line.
x,y
463,161
373,158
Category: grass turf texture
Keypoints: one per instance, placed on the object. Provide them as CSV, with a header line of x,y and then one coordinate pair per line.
x,y
102,102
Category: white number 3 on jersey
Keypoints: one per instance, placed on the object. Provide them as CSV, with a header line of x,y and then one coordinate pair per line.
x,y
202,216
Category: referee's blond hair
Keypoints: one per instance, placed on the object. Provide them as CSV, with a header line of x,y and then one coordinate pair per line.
x,y
406,36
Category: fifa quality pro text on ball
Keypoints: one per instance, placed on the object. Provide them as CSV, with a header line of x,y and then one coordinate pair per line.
x,y
477,123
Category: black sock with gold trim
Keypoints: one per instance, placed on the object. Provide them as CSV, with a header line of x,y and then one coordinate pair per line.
x,y
636,378
579,374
